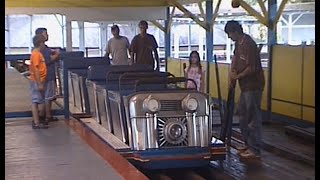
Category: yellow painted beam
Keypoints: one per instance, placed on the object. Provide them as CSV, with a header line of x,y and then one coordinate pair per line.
x,y
308,76
263,8
308,114
279,12
158,25
216,10
253,12
188,13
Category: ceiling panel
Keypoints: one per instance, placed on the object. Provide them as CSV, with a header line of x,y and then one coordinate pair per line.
x,y
91,3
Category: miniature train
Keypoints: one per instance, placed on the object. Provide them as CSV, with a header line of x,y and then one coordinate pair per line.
x,y
160,123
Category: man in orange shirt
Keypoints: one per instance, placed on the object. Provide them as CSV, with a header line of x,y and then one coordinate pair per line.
x,y
38,74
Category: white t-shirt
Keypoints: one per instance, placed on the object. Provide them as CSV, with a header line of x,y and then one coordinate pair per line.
x,y
118,48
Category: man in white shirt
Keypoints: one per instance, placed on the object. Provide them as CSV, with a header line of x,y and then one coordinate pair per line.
x,y
117,47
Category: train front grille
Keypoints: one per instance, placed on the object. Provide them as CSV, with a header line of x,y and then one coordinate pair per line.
x,y
170,105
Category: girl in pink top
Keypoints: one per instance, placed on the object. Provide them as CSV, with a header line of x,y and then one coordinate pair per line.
x,y
195,72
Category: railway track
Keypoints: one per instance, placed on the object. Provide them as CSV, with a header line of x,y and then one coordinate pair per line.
x,y
210,172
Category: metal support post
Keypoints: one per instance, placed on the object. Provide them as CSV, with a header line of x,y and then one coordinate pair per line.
x,y
66,93
69,35
167,37
103,37
31,35
209,39
189,36
65,71
81,36
8,35
63,30
272,40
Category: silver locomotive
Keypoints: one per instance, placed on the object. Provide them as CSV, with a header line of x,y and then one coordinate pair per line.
x,y
164,127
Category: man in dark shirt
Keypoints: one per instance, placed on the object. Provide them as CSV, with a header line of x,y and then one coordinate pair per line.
x,y
246,68
143,46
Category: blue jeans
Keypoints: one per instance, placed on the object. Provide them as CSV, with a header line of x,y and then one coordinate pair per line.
x,y
50,92
250,119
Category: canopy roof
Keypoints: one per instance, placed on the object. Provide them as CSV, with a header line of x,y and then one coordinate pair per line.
x,y
92,3
95,10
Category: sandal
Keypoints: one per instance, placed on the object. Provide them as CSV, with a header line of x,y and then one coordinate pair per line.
x,y
241,149
44,121
39,126
50,119
249,155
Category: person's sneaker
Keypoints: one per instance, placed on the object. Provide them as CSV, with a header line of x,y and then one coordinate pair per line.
x,y
248,154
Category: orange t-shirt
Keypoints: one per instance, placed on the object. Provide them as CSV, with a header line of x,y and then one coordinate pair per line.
x,y
37,62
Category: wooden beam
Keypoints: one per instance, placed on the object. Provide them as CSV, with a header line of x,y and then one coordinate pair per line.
x,y
263,8
158,25
253,12
202,14
188,13
216,10
279,12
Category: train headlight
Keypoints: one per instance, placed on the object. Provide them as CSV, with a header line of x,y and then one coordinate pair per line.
x,y
174,131
190,104
151,105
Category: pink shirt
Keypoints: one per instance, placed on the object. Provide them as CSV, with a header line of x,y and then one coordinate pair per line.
x,y
195,75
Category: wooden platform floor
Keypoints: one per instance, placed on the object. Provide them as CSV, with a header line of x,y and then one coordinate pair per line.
x,y
57,153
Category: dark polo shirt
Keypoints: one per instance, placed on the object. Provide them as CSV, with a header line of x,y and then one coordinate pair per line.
x,y
246,54
143,48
